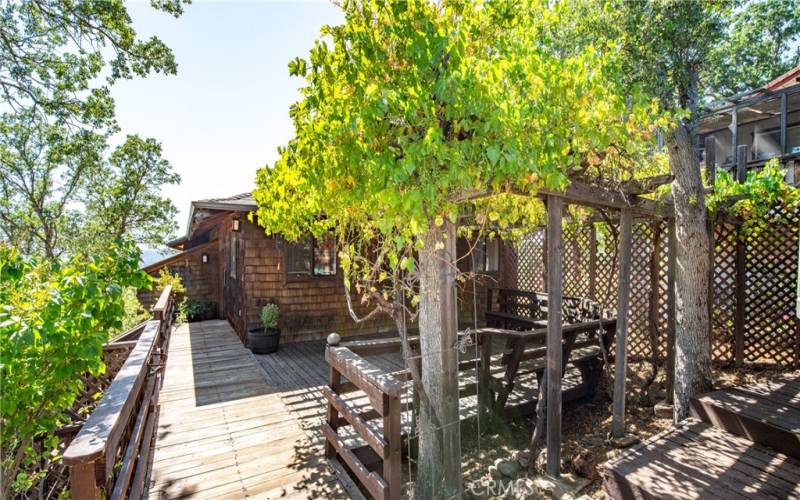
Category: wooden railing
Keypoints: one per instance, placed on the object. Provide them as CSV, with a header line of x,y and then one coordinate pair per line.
x,y
110,454
384,393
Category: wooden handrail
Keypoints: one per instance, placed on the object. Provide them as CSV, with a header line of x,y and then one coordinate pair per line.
x,y
384,393
121,426
163,303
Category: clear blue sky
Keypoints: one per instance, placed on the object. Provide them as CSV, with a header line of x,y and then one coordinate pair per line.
x,y
227,110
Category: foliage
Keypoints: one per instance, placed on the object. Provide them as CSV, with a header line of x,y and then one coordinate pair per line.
x,y
761,42
197,309
269,316
57,62
134,312
125,200
755,200
55,317
58,194
417,108
166,278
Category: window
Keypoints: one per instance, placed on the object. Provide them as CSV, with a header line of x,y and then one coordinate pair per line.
x,y
311,257
486,255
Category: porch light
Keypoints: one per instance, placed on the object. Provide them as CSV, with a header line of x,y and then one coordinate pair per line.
x,y
236,224
205,258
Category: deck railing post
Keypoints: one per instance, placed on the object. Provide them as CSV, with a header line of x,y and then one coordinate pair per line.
x,y
334,380
83,481
392,462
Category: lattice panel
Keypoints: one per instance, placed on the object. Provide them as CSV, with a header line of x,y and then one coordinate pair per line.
x,y
648,237
771,330
530,259
723,308
576,261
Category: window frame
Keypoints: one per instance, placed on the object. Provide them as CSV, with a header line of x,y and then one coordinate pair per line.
x,y
312,275
484,245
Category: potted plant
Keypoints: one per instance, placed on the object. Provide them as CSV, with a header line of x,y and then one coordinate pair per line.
x,y
265,340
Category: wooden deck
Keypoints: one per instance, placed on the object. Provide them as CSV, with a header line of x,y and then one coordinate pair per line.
x,y
741,443
226,430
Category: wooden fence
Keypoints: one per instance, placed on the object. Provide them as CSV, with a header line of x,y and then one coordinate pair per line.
x,y
110,454
754,285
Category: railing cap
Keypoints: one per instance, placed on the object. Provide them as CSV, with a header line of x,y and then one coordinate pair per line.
x,y
334,339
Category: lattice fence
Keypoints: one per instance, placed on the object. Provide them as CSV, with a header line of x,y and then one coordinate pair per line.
x,y
771,331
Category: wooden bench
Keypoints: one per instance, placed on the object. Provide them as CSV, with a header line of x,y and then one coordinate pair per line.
x,y
697,460
767,413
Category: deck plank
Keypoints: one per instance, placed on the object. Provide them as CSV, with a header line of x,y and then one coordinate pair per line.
x,y
225,428
697,460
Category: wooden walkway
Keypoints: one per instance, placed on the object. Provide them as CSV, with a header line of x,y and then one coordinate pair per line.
x,y
225,429
741,443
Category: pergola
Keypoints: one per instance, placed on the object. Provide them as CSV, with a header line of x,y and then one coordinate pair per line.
x,y
624,198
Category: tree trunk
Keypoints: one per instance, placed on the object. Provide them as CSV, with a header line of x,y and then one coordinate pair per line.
x,y
692,352
439,465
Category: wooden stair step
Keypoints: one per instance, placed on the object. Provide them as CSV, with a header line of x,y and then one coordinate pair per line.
x,y
764,415
697,460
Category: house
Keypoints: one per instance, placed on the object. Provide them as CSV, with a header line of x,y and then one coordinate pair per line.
x,y
766,120
229,260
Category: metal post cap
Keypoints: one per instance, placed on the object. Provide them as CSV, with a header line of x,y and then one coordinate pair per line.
x,y
334,338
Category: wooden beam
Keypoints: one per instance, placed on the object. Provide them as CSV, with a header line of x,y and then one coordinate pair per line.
x,y
621,351
555,261
645,185
592,262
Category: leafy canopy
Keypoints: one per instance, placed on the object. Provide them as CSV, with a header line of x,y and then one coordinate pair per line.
x,y
411,108
54,319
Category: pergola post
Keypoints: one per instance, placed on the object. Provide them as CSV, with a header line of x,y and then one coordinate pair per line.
x,y
555,260
621,351
671,264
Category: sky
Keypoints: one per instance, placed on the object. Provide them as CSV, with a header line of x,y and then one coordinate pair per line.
x,y
227,110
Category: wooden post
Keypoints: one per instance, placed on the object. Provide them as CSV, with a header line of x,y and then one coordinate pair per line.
x,y
734,128
739,316
711,159
741,163
784,110
671,264
621,351
334,381
555,261
393,463
592,262
83,482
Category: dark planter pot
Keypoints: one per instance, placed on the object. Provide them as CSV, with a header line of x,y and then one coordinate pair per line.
x,y
263,340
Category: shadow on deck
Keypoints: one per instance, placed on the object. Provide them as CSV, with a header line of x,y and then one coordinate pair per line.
x,y
225,429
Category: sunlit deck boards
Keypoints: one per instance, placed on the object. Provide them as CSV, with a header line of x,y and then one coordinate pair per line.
x,y
224,429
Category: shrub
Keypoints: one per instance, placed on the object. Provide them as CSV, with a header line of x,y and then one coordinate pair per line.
x,y
165,277
269,316
54,319
197,309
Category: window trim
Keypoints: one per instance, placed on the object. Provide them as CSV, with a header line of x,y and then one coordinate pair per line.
x,y
484,268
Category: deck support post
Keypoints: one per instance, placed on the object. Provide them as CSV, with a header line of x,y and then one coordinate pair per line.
x,y
671,264
555,258
621,351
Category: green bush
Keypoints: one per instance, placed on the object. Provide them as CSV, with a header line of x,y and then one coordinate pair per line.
x,y
197,310
269,316
55,317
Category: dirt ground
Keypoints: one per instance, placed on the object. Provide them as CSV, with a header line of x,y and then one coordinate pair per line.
x,y
586,425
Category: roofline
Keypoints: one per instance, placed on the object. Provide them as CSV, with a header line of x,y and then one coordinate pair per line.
x,y
161,263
